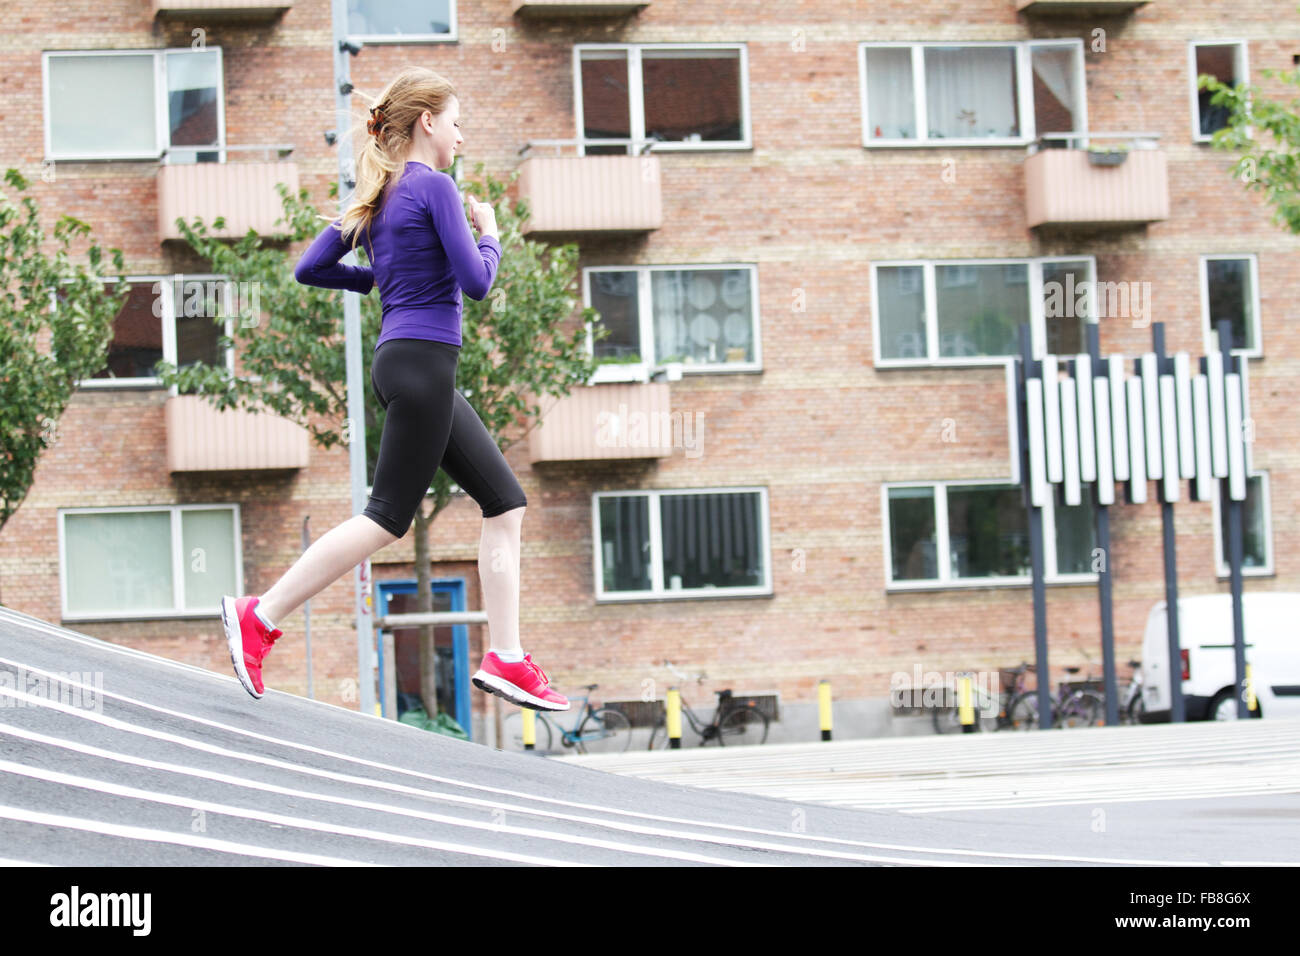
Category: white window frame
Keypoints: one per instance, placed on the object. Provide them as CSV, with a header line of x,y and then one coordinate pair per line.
x,y
636,94
1243,69
1208,335
1034,289
162,122
1024,93
178,578
943,545
641,371
452,36
658,592
1221,568
168,320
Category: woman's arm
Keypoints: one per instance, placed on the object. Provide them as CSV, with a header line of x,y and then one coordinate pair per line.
x,y
319,265
474,263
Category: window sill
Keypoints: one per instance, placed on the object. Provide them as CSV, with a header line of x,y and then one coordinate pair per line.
x,y
707,594
1006,143
1223,574
389,39
1059,580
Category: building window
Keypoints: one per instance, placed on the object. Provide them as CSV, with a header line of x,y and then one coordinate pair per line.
x,y
148,562
1230,290
1256,528
705,317
968,313
1226,62
966,533
681,543
138,104
179,319
401,21
970,94
680,96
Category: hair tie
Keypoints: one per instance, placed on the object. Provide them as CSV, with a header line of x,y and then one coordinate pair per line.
x,y
375,125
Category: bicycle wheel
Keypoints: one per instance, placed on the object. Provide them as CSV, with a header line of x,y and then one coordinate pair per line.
x,y
1023,712
743,725
947,720
1082,708
604,731
513,734
1136,708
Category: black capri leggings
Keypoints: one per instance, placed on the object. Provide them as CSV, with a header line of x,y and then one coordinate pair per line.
x,y
429,424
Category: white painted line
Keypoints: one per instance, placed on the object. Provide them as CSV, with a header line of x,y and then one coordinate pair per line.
x,y
261,816
312,771
163,836
247,783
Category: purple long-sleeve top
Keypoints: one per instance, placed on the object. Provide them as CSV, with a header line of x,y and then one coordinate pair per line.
x,y
422,257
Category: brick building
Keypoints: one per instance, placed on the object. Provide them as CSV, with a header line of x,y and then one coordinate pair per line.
x,y
833,233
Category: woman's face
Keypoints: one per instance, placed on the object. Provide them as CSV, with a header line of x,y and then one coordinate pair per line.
x,y
445,138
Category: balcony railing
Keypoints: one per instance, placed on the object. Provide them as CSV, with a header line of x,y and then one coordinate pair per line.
x,y
591,193
226,10
578,8
1054,8
200,438
606,422
243,193
1089,183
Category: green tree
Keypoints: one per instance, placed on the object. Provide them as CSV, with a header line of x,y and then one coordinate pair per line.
x,y
1266,134
36,384
518,343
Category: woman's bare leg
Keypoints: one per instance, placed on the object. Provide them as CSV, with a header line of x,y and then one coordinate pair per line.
x,y
498,570
329,557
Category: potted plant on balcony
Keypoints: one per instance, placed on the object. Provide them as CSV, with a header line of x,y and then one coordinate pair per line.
x,y
1108,155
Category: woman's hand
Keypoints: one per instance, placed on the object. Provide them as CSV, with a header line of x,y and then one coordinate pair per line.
x,y
483,216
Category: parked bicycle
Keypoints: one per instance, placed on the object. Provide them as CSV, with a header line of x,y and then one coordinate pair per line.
x,y
735,722
1076,704
594,730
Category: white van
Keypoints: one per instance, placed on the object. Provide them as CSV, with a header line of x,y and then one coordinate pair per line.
x,y
1271,625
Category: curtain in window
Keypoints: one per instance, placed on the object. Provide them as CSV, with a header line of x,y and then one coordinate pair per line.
x,y
119,562
891,103
971,92
102,105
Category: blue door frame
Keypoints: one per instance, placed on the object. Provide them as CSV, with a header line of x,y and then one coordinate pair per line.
x,y
459,642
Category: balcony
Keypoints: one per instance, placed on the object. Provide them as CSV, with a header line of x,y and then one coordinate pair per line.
x,y
1057,8
606,423
1124,184
200,438
568,194
578,8
244,193
248,11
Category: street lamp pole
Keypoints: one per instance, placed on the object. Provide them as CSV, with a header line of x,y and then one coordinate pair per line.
x,y
355,430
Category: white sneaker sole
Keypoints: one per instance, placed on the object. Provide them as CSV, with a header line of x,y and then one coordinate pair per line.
x,y
235,642
492,684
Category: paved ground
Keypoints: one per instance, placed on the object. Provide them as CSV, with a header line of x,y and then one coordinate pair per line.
x,y
146,761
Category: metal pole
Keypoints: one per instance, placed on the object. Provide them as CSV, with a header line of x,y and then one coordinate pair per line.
x,y
1177,707
1030,368
356,432
1235,548
306,613
1102,514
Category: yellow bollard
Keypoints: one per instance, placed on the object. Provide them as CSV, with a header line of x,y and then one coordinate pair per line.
x,y
530,728
965,712
674,718
824,707
1250,691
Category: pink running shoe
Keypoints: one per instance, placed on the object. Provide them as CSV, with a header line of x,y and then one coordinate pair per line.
x,y
524,684
248,639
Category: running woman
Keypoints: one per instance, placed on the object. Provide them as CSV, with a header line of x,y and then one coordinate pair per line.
x,y
410,219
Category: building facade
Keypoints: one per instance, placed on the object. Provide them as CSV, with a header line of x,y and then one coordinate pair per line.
x,y
812,232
